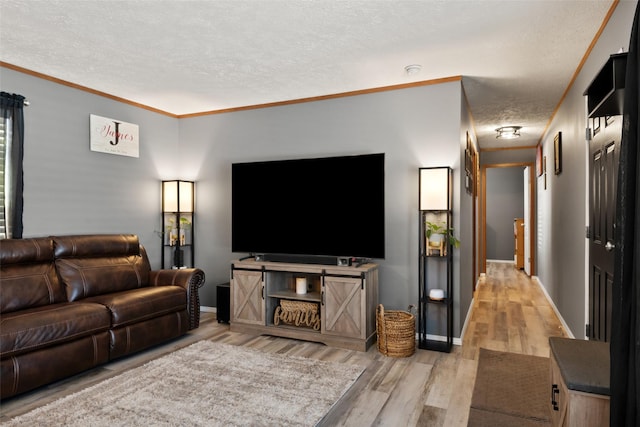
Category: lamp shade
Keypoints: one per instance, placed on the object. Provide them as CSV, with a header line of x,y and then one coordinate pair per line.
x,y
177,196
435,189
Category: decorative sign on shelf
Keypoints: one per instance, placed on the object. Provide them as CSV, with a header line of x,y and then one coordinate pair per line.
x,y
298,313
113,136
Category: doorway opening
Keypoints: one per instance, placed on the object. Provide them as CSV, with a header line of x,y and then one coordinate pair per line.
x,y
529,214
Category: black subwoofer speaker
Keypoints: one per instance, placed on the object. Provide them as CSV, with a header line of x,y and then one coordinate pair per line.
x,y
222,298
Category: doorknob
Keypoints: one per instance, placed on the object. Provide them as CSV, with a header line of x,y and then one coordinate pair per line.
x,y
609,246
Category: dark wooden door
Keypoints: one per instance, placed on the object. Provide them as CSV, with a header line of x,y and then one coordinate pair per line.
x,y
603,172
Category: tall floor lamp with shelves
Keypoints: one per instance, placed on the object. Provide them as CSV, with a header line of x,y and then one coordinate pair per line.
x,y
435,313
178,202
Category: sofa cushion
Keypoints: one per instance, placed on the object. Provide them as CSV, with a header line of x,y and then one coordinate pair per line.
x,y
141,335
136,305
27,275
34,328
92,265
21,251
87,277
37,368
96,245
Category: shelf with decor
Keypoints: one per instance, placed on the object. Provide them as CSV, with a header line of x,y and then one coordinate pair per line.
x,y
178,224
435,311
293,300
297,287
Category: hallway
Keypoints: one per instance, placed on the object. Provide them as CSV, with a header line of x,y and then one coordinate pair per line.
x,y
510,313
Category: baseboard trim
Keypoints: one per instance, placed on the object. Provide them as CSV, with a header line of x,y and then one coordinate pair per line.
x,y
553,305
456,341
466,320
502,261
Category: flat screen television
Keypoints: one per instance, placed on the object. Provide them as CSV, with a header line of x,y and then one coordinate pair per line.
x,y
330,207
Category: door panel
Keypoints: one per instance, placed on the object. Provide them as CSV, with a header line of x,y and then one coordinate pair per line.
x,y
247,301
344,308
603,171
527,221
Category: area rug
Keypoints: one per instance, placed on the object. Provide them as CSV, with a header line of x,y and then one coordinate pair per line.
x,y
510,390
206,384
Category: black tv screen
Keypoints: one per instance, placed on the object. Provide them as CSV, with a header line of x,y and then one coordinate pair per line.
x,y
331,206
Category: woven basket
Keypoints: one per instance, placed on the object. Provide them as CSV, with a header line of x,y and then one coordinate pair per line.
x,y
396,331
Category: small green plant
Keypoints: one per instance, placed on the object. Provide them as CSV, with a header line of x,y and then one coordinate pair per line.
x,y
434,229
184,222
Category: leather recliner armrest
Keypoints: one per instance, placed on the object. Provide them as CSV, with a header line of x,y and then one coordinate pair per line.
x,y
191,279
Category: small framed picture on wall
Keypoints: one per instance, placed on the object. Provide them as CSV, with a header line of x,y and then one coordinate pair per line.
x,y
557,150
539,159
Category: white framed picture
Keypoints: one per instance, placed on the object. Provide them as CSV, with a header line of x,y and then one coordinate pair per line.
x,y
113,136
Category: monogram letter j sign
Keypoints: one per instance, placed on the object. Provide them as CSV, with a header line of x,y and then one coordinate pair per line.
x,y
113,136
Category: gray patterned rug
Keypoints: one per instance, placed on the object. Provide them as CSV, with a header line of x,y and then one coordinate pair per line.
x,y
206,384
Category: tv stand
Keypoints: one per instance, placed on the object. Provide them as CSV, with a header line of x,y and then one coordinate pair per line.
x,y
344,297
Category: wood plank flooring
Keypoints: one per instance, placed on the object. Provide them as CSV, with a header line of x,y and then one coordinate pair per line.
x,y
510,313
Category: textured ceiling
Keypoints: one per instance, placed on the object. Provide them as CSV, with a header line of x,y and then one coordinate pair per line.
x,y
183,57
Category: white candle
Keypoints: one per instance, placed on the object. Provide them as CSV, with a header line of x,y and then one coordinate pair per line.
x,y
301,285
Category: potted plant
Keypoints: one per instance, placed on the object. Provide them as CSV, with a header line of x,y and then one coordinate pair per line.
x,y
437,235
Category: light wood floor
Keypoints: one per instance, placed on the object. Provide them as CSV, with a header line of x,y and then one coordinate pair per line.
x,y
510,313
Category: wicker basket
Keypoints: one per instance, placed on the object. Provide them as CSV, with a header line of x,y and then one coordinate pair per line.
x,y
396,331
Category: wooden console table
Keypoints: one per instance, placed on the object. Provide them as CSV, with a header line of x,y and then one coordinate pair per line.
x,y
345,297
579,382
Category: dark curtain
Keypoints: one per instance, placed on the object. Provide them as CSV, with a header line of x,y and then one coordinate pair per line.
x,y
625,342
11,106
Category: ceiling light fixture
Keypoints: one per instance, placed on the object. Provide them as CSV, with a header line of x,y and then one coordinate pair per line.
x,y
412,69
508,132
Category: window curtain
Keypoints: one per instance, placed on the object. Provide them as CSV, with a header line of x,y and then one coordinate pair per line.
x,y
11,106
625,338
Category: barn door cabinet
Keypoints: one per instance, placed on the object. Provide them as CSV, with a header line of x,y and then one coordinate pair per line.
x,y
337,307
579,395
247,299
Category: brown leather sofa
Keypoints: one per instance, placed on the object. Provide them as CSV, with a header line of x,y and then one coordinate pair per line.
x,y
69,303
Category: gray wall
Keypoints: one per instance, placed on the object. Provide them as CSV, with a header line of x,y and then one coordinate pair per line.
x,y
415,127
464,255
562,213
505,202
70,189
524,155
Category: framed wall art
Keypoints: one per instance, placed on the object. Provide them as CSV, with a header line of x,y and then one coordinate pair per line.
x,y
113,136
557,152
468,156
470,166
539,168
